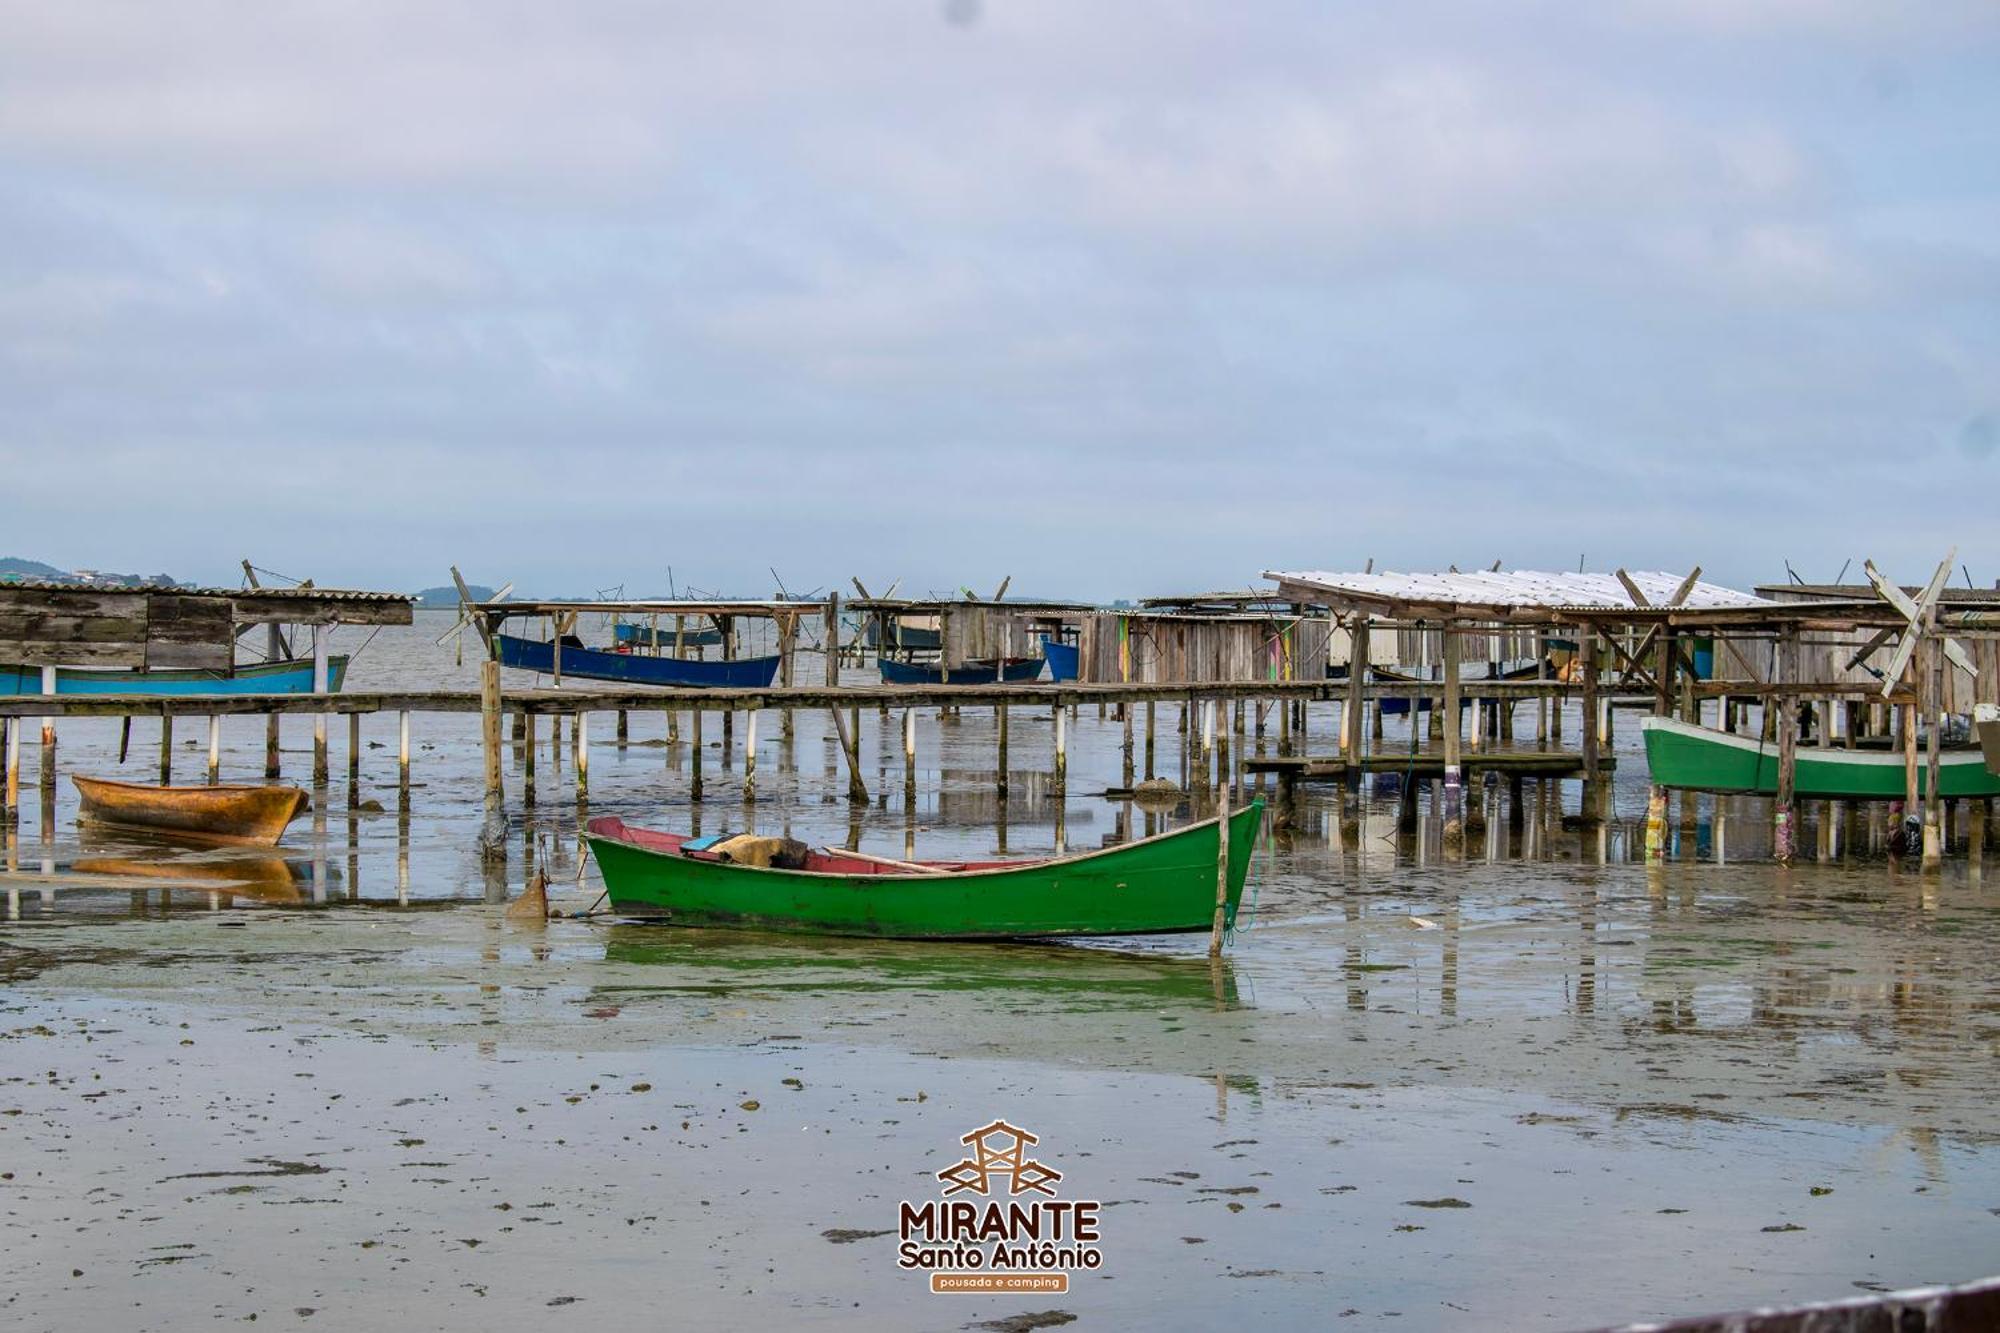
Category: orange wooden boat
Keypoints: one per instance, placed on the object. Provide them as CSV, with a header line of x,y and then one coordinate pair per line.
x,y
254,816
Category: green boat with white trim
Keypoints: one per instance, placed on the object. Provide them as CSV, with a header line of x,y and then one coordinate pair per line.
x,y
1155,885
1679,754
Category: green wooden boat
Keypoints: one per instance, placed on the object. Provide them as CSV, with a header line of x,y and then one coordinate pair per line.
x,y
1682,755
1156,885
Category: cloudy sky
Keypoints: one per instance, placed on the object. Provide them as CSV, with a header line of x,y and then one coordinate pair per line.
x,y
1114,297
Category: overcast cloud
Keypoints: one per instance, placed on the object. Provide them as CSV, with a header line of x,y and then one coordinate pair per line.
x,y
1116,298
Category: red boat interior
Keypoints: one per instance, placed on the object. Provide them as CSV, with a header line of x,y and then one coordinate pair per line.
x,y
821,860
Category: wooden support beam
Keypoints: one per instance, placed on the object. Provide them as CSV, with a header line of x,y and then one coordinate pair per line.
x,y
403,759
214,749
850,749
1454,790
489,730
1788,747
166,751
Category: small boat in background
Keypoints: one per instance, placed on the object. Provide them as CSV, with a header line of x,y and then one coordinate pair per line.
x,y
904,637
253,816
288,676
1679,754
1162,884
642,636
988,672
1063,659
743,673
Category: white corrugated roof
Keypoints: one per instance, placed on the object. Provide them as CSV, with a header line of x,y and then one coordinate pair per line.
x,y
1519,587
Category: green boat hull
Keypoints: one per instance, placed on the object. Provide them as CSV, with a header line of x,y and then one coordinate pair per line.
x,y
1157,885
1701,759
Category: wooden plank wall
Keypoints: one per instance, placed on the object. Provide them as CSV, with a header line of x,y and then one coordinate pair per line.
x,y
61,627
1201,648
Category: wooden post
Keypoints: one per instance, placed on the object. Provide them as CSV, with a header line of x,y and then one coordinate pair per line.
x,y
531,739
403,759
1543,702
1221,882
214,749
1000,713
910,756
1933,662
319,719
694,759
1788,744
1357,679
1586,671
850,749
48,739
1454,790
354,749
832,639
579,739
1125,747
489,728
1149,739
274,649
623,733
1061,784
750,758
13,810
166,748
788,643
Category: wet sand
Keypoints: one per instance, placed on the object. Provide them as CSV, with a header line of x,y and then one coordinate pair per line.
x,y
1419,1092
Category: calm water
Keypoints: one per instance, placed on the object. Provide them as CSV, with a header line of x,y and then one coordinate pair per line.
x,y
1655,1089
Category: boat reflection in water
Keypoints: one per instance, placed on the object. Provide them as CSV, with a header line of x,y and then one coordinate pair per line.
x,y
166,874
1091,978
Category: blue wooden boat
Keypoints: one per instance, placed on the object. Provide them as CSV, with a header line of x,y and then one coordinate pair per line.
x,y
916,638
745,673
1063,659
288,676
641,636
971,673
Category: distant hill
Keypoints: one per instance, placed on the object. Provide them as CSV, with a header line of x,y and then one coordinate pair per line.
x,y
15,569
28,569
447,596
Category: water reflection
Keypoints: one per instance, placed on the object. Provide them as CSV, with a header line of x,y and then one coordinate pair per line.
x,y
717,963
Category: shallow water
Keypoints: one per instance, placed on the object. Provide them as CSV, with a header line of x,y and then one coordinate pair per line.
x,y
1666,1088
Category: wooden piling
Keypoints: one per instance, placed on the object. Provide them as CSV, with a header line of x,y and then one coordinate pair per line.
x,y
1149,738
13,782
166,749
274,649
623,733
579,728
48,741
354,749
750,758
1060,786
697,755
832,639
530,739
850,749
489,727
1788,745
214,749
1933,665
1221,883
319,719
403,759
1586,665
1454,790
910,757
1125,746
1000,712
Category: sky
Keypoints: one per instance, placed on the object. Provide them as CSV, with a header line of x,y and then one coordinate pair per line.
x,y
1114,298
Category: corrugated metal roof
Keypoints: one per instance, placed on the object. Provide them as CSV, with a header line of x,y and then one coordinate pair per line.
x,y
1501,590
234,594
